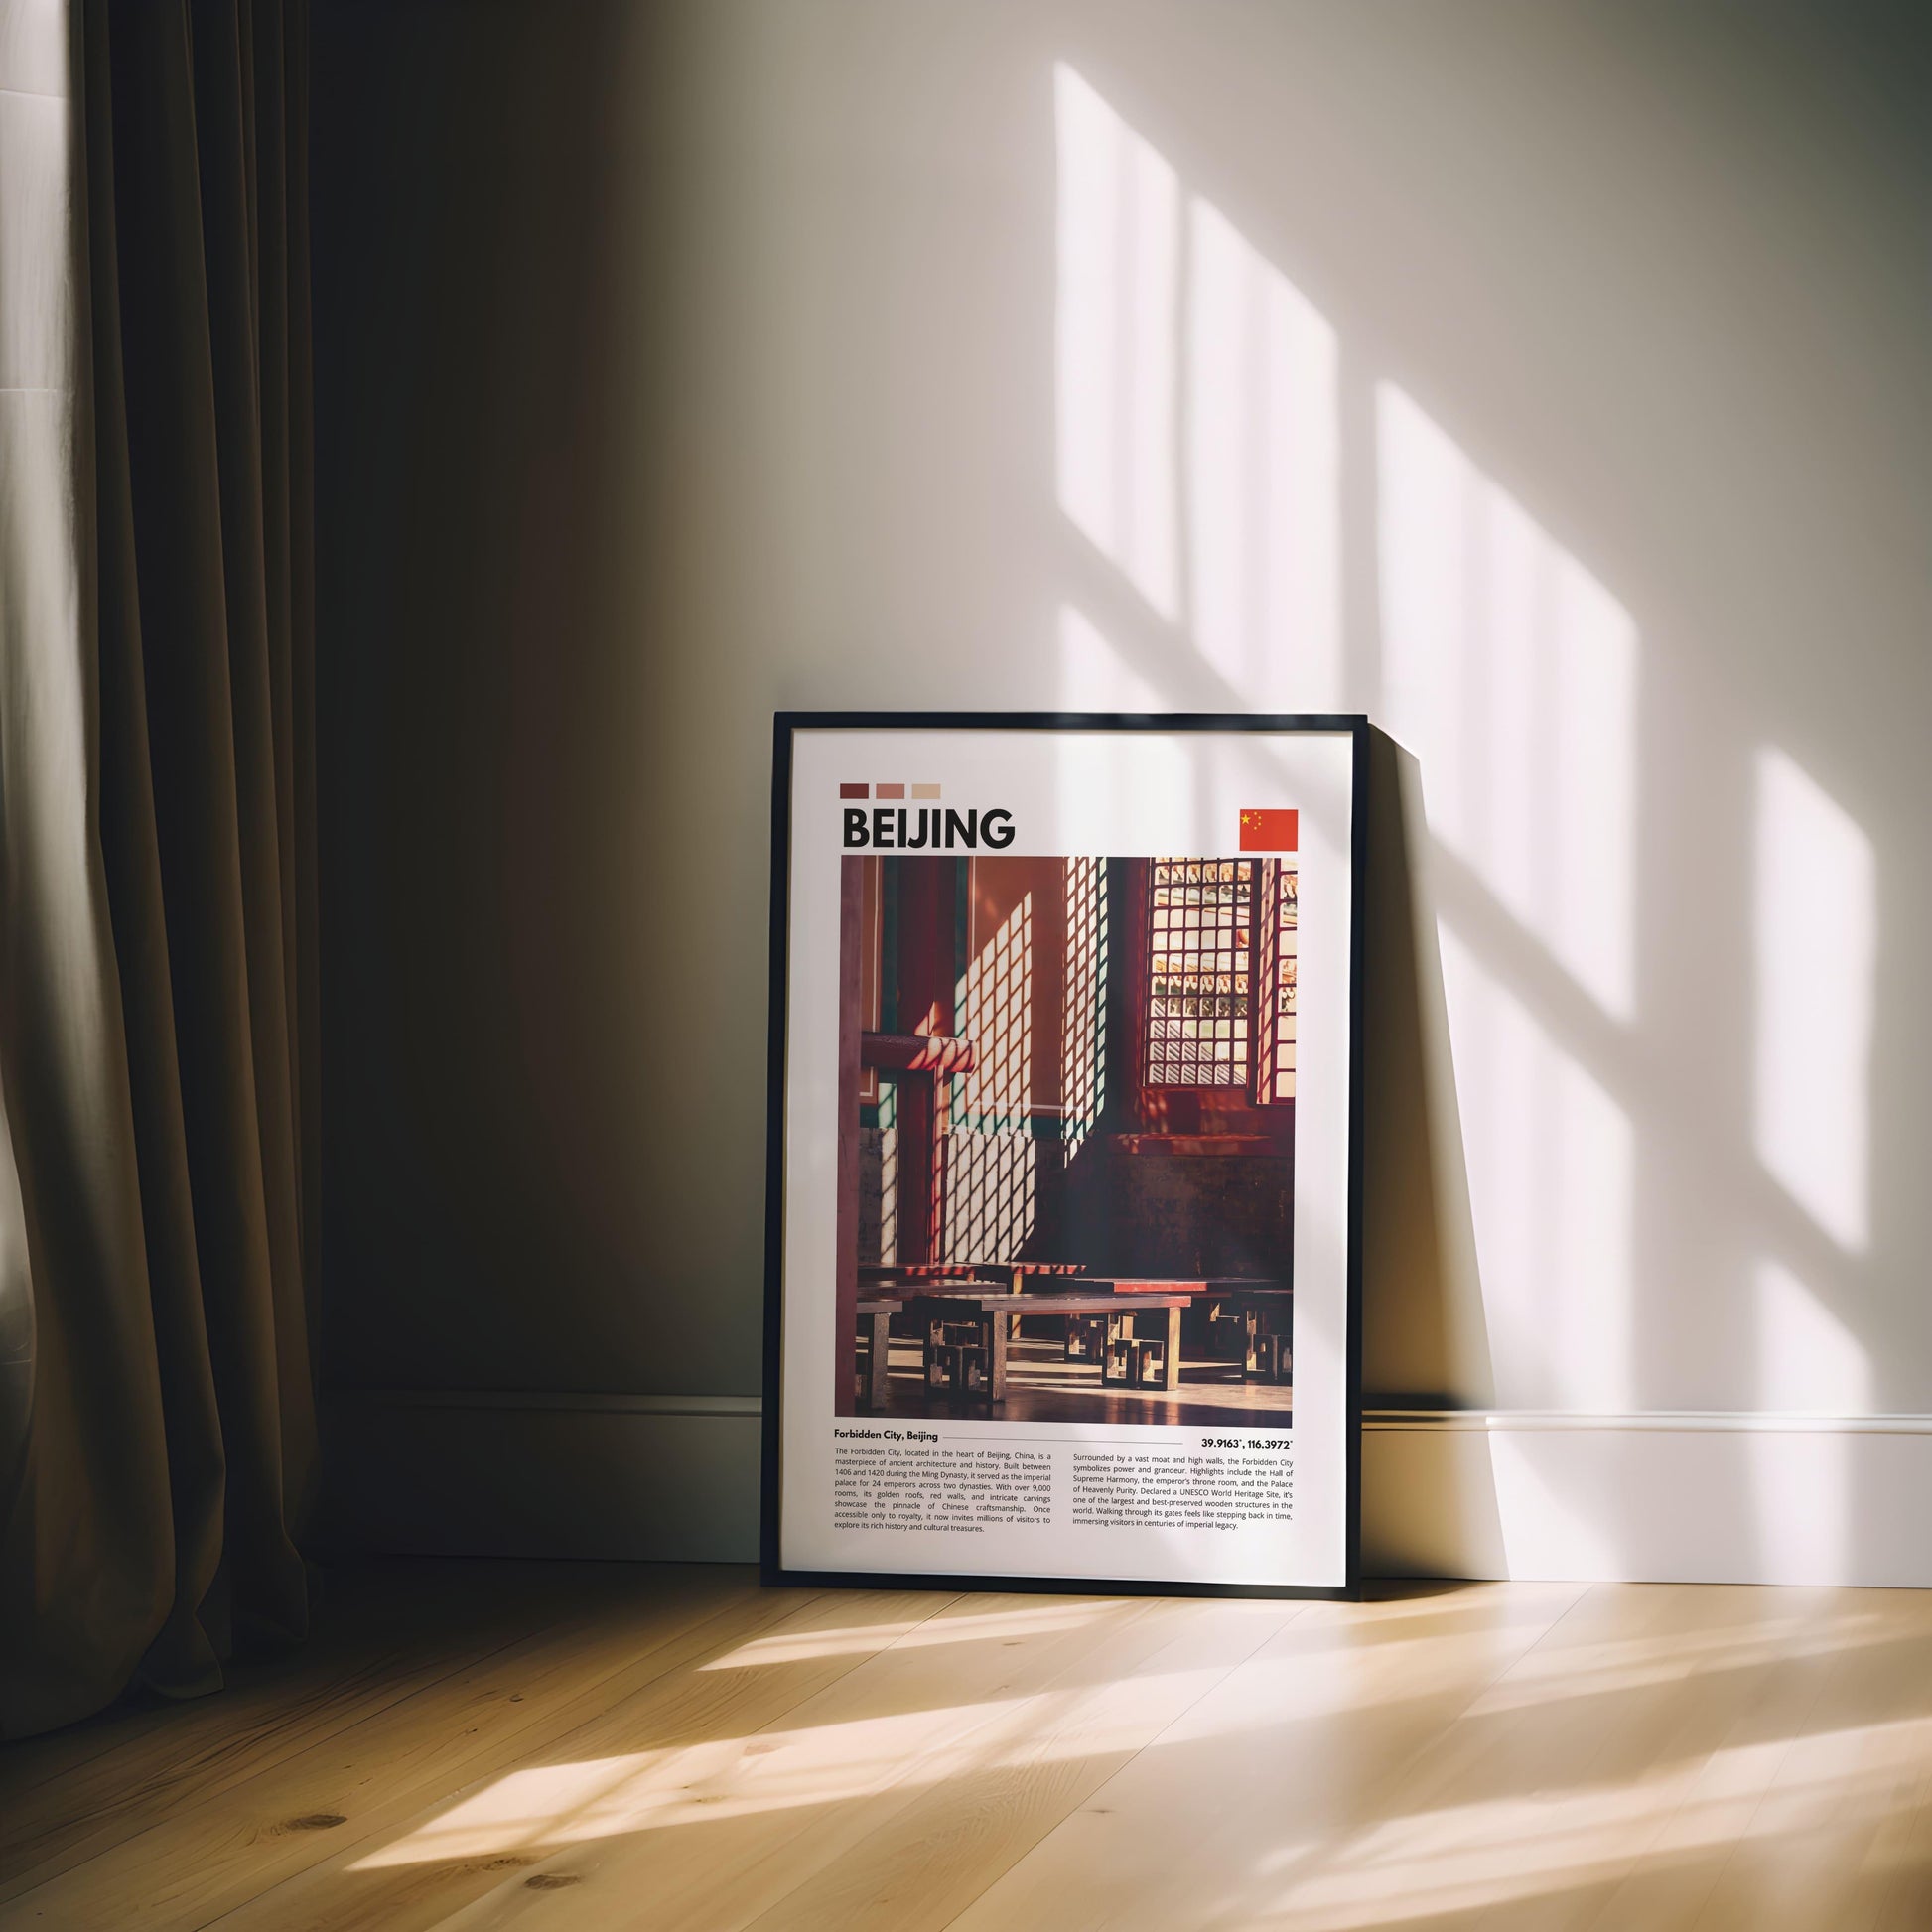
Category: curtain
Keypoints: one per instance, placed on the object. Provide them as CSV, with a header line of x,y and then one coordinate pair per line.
x,y
158,1138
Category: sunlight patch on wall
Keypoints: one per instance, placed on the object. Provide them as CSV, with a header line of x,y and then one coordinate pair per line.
x,y
1197,398
1262,445
1118,227
1817,950
1511,673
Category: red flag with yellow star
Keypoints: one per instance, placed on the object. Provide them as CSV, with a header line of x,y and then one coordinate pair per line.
x,y
1271,830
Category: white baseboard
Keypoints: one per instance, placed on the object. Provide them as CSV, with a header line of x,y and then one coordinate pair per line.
x,y
1648,1498
1663,1498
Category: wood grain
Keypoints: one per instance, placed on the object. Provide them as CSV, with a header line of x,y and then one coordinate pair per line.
x,y
77,1792
556,1749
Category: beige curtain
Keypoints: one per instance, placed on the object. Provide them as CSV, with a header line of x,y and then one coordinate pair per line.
x,y
158,1137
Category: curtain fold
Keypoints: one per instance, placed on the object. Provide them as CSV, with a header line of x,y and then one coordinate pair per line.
x,y
157,1018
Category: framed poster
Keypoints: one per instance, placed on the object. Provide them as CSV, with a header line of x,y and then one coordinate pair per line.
x,y
1064,1220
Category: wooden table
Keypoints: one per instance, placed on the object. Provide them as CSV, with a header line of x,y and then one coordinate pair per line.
x,y
964,1277
1187,1284
1114,1310
903,1290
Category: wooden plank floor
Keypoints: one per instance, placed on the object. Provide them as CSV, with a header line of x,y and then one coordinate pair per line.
x,y
572,1746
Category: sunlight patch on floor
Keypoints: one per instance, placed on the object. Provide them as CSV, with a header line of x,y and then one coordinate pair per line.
x,y
555,1805
1496,1852
986,1627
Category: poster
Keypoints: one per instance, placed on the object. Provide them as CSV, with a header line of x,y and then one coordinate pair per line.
x,y
1062,1217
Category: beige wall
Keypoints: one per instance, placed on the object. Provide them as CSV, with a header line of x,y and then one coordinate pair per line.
x,y
1548,380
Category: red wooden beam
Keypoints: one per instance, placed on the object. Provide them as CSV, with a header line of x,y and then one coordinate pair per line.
x,y
927,974
917,1053
845,1264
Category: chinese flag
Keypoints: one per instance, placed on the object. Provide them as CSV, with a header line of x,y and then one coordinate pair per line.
x,y
1268,831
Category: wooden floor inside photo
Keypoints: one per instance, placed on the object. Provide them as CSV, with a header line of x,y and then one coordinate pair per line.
x,y
577,1747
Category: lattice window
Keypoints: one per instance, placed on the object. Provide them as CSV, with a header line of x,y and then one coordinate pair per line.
x,y
990,1171
1199,972
994,1002
1275,1044
1083,1023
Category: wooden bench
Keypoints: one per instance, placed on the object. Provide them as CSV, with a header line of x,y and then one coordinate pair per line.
x,y
1265,1310
1261,1303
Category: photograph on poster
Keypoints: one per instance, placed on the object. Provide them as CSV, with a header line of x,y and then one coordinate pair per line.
x,y
1075,1183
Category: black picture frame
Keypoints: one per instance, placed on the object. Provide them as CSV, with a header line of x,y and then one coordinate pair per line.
x,y
786,725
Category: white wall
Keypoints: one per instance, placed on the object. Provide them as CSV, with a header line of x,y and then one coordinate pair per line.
x,y
1550,382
